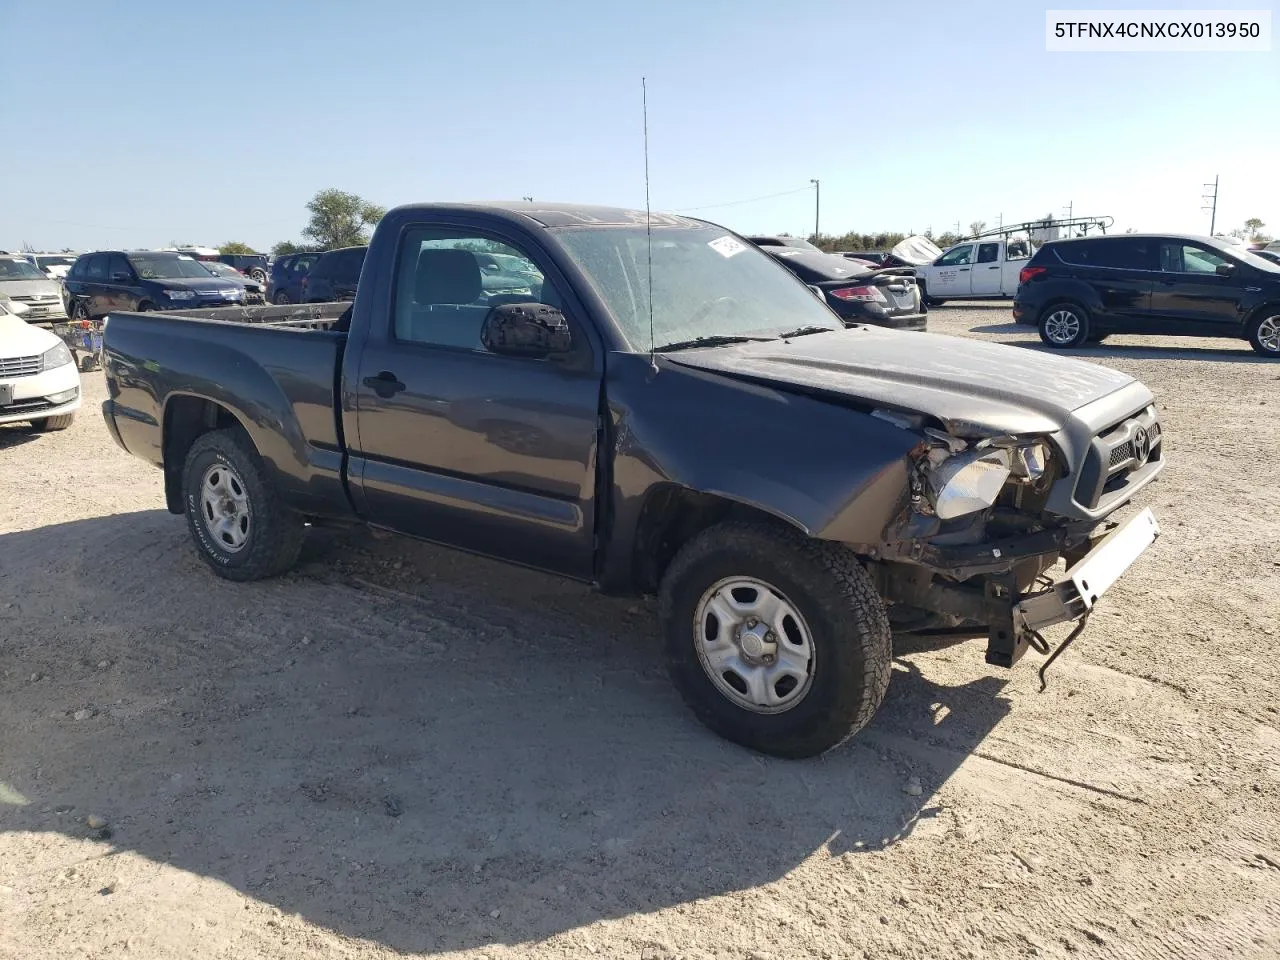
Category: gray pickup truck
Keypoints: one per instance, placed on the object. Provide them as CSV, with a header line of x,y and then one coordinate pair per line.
x,y
656,407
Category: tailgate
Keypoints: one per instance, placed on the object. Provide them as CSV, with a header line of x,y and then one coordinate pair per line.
x,y
901,292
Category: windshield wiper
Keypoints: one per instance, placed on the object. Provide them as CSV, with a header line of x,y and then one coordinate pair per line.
x,y
803,332
717,341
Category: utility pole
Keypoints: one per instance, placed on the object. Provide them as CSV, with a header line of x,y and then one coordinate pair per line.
x,y
958,233
1071,206
817,206
1213,203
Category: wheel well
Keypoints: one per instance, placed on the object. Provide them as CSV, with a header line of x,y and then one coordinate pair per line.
x,y
185,420
1256,313
671,517
1055,301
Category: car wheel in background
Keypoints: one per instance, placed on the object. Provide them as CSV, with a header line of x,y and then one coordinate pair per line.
x,y
259,275
924,295
774,640
282,299
1264,333
53,423
236,519
1064,325
146,306
79,311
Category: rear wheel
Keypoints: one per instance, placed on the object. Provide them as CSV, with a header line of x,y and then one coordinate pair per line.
x,y
282,298
775,641
259,275
1064,325
146,306
1264,334
236,519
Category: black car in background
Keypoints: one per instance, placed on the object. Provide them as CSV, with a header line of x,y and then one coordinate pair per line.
x,y
873,256
858,294
1272,255
254,292
109,280
255,266
287,274
1081,290
334,276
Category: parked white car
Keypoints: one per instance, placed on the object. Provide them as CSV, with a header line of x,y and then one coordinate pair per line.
x,y
39,382
976,269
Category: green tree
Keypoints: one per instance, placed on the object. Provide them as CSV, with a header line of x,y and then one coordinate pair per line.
x,y
1253,230
339,219
235,246
288,246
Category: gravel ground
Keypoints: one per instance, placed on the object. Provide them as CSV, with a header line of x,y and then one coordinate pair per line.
x,y
397,750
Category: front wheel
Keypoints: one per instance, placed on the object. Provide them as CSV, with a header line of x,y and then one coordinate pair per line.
x,y
282,298
47,424
1264,334
236,519
1064,325
928,300
775,641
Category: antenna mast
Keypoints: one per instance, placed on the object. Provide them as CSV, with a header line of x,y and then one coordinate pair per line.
x,y
648,217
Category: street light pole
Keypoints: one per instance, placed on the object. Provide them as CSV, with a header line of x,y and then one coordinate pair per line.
x,y
817,206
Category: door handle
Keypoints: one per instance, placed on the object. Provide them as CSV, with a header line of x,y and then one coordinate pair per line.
x,y
964,269
994,267
385,384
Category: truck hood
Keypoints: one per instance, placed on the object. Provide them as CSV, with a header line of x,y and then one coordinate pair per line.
x,y
971,387
30,288
20,339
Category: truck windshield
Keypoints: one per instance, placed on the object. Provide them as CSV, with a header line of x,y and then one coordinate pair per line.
x,y
706,283
168,268
19,270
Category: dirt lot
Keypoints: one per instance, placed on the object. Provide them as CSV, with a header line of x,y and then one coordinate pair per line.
x,y
396,750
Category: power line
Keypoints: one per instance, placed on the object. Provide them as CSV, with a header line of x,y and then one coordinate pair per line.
x,y
734,203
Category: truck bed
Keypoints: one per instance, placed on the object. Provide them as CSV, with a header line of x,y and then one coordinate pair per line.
x,y
269,361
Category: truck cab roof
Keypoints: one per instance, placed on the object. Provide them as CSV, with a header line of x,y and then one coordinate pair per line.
x,y
555,214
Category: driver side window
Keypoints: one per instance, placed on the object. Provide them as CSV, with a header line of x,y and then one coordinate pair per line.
x,y
956,257
447,282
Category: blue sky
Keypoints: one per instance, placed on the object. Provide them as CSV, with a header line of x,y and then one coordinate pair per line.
x,y
139,124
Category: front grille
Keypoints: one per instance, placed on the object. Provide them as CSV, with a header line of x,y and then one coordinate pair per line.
x,y
1122,453
21,366
30,405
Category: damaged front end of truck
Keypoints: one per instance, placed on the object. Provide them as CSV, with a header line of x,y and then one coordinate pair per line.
x,y
977,548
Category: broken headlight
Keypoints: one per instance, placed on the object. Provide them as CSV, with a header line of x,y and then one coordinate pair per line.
x,y
958,478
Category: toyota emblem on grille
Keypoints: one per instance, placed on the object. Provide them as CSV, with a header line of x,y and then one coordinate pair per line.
x,y
1141,445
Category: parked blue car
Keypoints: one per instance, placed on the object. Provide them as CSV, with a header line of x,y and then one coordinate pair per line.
x,y
287,274
112,280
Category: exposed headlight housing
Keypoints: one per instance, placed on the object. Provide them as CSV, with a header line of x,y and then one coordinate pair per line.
x,y
179,294
969,482
56,356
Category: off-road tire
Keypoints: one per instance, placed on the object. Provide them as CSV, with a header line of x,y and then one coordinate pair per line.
x,y
850,632
1269,315
1047,316
275,532
47,424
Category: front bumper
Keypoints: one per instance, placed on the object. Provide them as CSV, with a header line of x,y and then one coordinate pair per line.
x,y
1003,597
28,398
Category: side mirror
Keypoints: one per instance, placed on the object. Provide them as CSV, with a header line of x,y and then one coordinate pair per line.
x,y
120,277
526,330
1225,269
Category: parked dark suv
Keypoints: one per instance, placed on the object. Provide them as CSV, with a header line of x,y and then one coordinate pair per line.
x,y
334,276
255,266
1080,290
287,274
111,280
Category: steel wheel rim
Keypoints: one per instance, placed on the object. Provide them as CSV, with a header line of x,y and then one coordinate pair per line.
x,y
1269,334
1062,326
224,507
754,645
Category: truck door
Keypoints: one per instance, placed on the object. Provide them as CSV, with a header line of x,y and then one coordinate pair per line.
x,y
985,274
455,444
950,274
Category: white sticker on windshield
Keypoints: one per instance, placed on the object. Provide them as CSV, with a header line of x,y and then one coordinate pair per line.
x,y
726,246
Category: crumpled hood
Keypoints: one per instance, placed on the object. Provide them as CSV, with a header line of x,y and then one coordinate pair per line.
x,y
963,383
20,339
30,288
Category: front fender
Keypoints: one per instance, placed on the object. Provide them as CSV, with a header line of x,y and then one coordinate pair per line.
x,y
832,471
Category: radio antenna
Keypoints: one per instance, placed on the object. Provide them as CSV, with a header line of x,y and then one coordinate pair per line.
x,y
648,216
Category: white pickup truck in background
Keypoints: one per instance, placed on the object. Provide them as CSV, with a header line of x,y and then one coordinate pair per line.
x,y
974,269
